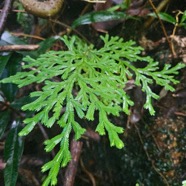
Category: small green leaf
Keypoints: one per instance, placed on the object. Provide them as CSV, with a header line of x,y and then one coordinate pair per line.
x,y
4,119
50,144
3,62
183,19
9,38
113,132
100,128
12,67
90,112
50,122
148,106
79,109
79,131
115,140
12,154
100,16
29,127
165,17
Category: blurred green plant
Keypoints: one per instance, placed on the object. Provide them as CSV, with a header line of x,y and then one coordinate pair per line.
x,y
99,16
113,13
81,81
184,183
177,21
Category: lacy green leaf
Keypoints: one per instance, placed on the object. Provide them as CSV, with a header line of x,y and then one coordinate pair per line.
x,y
83,81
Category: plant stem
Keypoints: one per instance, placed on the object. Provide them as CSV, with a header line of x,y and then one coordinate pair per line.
x,y
76,147
4,14
162,26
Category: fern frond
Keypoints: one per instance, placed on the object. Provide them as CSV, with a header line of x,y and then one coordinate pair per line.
x,y
81,81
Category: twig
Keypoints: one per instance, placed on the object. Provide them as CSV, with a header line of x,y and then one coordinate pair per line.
x,y
17,11
69,29
180,114
27,36
4,14
177,22
90,134
18,47
76,147
45,135
88,173
163,28
158,9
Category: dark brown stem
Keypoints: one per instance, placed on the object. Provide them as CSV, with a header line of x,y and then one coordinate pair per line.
x,y
89,174
90,134
4,14
163,28
159,8
18,47
76,147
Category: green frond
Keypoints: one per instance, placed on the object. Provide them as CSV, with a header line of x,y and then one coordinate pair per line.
x,y
84,80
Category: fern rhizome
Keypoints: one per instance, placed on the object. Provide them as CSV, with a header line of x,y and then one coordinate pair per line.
x,y
81,81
